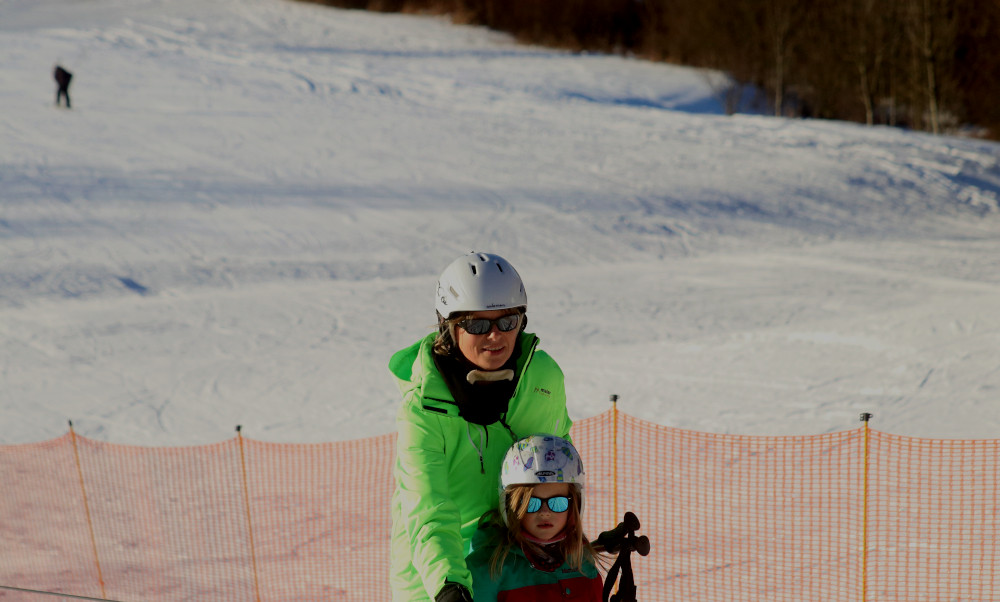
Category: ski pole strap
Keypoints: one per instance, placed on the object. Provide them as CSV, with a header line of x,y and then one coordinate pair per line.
x,y
612,577
626,587
44,593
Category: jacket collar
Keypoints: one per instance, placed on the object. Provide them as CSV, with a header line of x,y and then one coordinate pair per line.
x,y
414,366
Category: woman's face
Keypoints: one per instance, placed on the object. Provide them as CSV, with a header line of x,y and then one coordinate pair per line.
x,y
546,524
488,351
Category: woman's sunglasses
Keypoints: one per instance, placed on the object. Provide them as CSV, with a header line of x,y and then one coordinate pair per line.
x,y
558,503
485,325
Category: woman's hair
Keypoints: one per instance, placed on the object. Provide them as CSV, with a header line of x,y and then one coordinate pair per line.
x,y
445,344
574,548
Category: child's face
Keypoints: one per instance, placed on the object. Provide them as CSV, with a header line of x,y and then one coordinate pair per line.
x,y
546,524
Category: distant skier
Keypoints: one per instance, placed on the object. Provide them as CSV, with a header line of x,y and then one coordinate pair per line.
x,y
63,78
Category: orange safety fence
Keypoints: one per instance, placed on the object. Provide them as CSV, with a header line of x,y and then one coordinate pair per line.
x,y
857,515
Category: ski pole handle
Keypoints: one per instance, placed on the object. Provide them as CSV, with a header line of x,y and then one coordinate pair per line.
x,y
612,540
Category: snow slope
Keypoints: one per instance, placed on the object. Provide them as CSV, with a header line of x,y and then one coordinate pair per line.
x,y
245,211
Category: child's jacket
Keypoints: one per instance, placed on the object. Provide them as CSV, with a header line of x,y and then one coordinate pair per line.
x,y
519,581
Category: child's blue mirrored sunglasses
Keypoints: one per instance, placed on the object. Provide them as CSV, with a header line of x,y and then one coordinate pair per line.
x,y
485,325
557,503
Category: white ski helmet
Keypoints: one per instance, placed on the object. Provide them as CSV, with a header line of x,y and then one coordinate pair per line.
x,y
538,459
479,282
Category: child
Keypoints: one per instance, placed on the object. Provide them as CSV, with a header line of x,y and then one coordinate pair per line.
x,y
533,548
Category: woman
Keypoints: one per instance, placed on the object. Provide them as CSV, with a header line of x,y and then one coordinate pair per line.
x,y
469,391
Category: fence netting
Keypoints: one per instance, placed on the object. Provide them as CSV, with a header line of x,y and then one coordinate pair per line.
x,y
854,515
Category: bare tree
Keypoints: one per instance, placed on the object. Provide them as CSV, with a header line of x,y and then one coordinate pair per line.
x,y
931,29
782,22
863,27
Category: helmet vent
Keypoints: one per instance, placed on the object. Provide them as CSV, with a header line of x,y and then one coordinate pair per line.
x,y
473,268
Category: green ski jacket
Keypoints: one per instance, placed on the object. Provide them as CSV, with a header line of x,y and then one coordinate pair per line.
x,y
447,470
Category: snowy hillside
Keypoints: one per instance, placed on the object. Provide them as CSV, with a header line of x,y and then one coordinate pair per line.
x,y
244,213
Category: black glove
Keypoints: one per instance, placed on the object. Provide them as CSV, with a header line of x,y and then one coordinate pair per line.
x,y
453,592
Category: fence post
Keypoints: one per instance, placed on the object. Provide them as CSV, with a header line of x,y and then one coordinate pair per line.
x,y
86,510
865,417
246,504
614,459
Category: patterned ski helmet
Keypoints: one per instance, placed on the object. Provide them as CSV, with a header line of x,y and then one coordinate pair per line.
x,y
479,282
538,459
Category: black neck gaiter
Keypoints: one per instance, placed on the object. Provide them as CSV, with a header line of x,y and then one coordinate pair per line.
x,y
484,402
